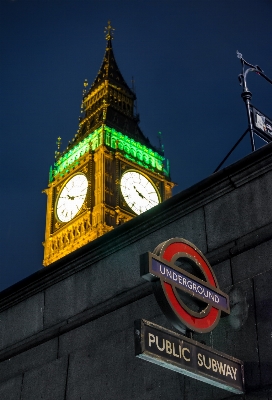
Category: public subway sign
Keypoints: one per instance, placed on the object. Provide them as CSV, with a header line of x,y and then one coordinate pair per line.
x,y
188,357
185,286
188,293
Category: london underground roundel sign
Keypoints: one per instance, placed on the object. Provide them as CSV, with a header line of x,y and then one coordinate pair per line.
x,y
185,286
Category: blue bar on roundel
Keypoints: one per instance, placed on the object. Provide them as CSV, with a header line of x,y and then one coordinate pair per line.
x,y
182,281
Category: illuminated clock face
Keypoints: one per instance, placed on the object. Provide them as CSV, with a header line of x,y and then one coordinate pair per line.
x,y
71,197
139,193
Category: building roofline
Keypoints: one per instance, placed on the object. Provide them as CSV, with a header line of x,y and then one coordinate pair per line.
x,y
224,181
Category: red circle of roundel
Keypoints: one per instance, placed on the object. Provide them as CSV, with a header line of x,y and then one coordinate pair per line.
x,y
199,324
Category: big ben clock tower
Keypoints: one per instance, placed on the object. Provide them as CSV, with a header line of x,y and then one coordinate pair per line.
x,y
109,173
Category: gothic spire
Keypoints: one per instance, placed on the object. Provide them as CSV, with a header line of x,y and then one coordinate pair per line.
x,y
109,69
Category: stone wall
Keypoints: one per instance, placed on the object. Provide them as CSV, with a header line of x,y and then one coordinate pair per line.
x,y
66,332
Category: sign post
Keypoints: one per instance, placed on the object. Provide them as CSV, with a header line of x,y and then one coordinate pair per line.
x,y
258,123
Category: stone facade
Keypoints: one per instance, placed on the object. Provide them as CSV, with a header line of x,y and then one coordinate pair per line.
x,y
66,332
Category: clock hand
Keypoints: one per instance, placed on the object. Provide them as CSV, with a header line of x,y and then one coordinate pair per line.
x,y
73,197
140,194
152,202
143,197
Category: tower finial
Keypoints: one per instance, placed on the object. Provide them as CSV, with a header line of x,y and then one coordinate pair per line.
x,y
109,30
58,143
85,84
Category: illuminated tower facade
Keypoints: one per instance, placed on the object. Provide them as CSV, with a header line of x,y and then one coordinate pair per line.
x,y
109,173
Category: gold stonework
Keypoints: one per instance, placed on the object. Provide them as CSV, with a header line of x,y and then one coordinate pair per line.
x,y
107,106
68,239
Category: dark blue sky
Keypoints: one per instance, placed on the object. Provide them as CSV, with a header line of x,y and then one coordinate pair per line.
x,y
182,55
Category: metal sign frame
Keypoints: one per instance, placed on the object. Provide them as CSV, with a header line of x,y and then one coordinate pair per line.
x,y
188,357
262,125
168,280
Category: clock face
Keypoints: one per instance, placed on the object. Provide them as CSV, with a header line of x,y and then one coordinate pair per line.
x,y
139,193
71,197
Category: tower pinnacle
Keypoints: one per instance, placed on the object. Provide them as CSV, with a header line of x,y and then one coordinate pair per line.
x,y
109,30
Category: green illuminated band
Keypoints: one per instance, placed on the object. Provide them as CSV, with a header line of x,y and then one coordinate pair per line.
x,y
131,150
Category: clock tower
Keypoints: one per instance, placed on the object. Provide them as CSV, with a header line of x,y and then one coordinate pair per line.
x,y
109,173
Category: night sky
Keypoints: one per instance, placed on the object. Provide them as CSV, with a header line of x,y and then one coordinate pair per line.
x,y
182,55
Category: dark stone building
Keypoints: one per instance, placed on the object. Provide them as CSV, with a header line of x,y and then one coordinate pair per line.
x,y
67,332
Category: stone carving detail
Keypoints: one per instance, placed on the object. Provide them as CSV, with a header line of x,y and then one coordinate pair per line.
x,y
70,237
